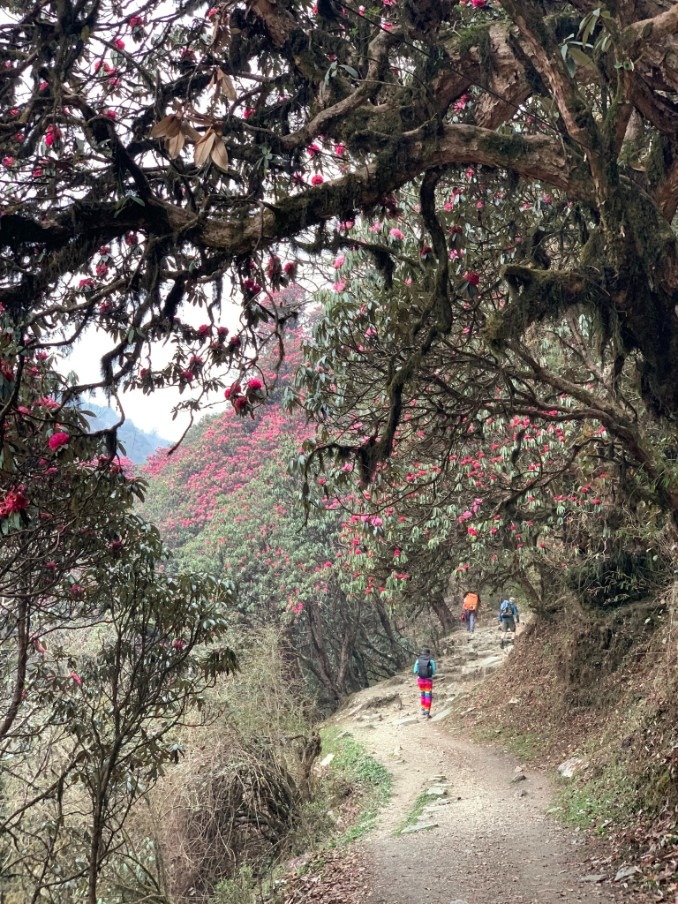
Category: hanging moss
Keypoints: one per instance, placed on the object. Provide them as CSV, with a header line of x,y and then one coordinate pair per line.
x,y
538,295
476,36
658,160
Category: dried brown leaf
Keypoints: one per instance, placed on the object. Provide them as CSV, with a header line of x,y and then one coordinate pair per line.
x,y
174,127
220,155
175,144
160,129
190,133
228,87
203,148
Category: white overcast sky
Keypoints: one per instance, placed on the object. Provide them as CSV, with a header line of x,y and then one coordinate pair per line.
x,y
152,412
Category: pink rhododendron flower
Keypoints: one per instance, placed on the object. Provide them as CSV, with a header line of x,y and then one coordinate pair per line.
x,y
340,285
255,384
52,136
15,501
317,179
396,234
339,262
472,277
46,402
57,440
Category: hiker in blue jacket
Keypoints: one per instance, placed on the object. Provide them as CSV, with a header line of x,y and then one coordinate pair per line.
x,y
425,669
508,618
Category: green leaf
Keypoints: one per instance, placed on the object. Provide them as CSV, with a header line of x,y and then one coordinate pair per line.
x,y
351,71
581,59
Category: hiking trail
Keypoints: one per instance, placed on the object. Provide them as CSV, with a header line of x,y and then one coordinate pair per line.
x,y
485,834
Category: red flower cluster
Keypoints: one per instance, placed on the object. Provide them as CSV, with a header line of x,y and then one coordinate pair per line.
x,y
57,440
15,501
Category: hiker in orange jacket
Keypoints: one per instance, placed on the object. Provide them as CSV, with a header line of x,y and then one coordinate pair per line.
x,y
471,610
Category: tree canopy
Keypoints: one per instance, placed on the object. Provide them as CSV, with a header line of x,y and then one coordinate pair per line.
x,y
155,158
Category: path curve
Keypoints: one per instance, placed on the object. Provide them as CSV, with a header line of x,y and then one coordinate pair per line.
x,y
491,838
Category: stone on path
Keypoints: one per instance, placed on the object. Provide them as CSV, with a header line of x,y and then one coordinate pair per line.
x,y
407,720
419,827
436,791
595,877
386,700
625,873
570,767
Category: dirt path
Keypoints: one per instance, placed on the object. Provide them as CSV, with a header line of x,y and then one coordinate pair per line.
x,y
485,835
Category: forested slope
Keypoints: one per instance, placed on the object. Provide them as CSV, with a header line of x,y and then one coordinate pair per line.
x,y
226,503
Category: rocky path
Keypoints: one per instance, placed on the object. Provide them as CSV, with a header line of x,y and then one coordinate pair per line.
x,y
483,833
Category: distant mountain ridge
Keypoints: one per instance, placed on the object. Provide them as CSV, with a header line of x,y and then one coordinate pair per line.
x,y
138,444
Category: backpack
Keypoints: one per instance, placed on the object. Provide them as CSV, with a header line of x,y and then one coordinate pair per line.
x,y
506,610
471,602
425,669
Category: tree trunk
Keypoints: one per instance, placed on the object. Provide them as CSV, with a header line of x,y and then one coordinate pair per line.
x,y
398,653
442,610
324,666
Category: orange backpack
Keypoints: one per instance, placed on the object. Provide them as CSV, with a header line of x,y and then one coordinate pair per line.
x,y
471,602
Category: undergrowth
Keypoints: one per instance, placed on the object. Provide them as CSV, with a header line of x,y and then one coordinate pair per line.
x,y
348,796
596,801
354,773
